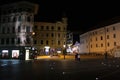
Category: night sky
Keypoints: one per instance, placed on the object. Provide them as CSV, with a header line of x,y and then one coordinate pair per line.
x,y
82,15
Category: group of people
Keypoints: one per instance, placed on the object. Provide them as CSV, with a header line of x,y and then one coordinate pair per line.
x,y
77,57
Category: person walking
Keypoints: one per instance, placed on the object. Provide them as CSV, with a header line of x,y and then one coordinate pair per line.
x,y
78,57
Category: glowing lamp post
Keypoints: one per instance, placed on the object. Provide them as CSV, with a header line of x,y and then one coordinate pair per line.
x,y
33,33
64,51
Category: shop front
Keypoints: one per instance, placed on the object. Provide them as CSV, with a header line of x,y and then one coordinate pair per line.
x,y
15,52
47,50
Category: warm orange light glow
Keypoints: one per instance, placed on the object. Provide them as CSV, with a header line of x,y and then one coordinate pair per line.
x,y
33,33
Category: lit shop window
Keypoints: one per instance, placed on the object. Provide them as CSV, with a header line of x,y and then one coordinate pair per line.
x,y
15,53
5,54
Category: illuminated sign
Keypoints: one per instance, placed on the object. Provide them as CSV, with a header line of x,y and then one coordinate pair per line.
x,y
27,55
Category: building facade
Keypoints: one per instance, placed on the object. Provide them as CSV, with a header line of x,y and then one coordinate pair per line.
x,y
21,36
16,24
50,37
101,40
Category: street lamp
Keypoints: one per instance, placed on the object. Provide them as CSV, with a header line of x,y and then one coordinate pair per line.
x,y
33,49
64,50
33,33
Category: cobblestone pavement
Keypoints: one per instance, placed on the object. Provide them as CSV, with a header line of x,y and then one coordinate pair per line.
x,y
58,68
